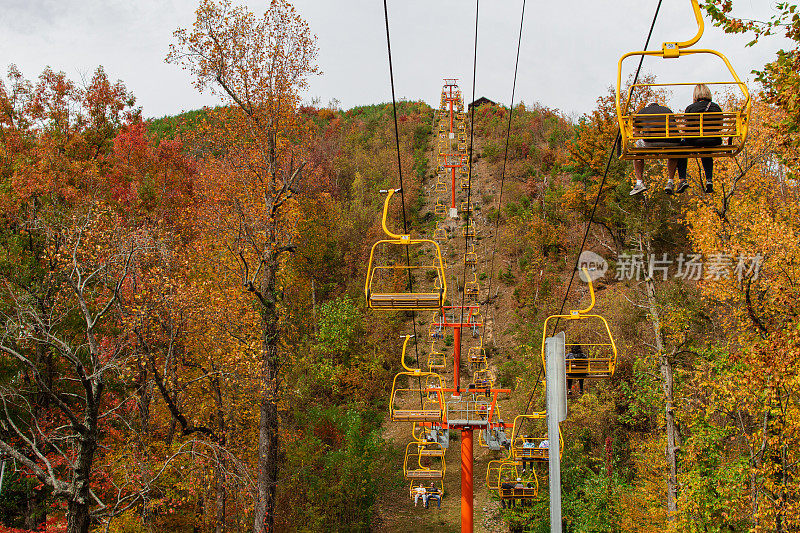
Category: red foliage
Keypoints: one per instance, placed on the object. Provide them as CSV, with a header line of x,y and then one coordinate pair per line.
x,y
53,524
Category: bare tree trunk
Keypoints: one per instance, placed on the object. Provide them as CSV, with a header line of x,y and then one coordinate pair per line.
x,y
314,306
77,517
220,466
78,506
221,497
268,420
667,384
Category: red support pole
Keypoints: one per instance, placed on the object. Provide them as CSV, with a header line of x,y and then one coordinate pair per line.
x,y
457,357
466,480
451,111
453,190
450,145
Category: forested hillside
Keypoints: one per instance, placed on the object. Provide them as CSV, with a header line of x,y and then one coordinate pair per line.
x,y
186,346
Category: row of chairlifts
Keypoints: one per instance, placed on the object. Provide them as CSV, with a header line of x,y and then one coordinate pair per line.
x,y
689,135
451,131
448,133
529,445
592,349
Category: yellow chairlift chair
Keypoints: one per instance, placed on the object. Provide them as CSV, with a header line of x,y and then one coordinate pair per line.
x,y
381,277
440,233
468,230
471,257
481,379
441,208
424,460
415,386
436,359
682,134
528,447
472,288
477,355
502,476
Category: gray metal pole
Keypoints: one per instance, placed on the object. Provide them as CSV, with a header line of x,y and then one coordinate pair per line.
x,y
556,412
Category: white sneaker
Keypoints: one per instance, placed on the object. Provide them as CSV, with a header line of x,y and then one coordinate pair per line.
x,y
638,188
670,188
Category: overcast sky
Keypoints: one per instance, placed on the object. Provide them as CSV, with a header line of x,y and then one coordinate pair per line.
x,y
568,58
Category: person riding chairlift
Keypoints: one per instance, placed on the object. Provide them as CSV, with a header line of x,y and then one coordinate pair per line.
x,y
655,126
420,492
433,492
527,444
576,353
702,104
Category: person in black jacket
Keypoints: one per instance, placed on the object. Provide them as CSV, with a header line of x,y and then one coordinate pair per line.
x,y
655,128
702,104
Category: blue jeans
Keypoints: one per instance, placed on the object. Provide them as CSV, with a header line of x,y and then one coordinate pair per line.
x,y
438,500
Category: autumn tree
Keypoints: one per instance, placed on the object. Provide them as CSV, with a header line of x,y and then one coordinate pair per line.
x,y
257,66
66,258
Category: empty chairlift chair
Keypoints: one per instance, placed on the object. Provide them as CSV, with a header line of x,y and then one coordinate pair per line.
x,y
384,277
440,208
416,395
436,359
471,257
469,230
440,233
424,460
682,134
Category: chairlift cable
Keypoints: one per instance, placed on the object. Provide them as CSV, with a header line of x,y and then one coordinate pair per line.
x,y
594,207
503,173
605,175
400,169
469,172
